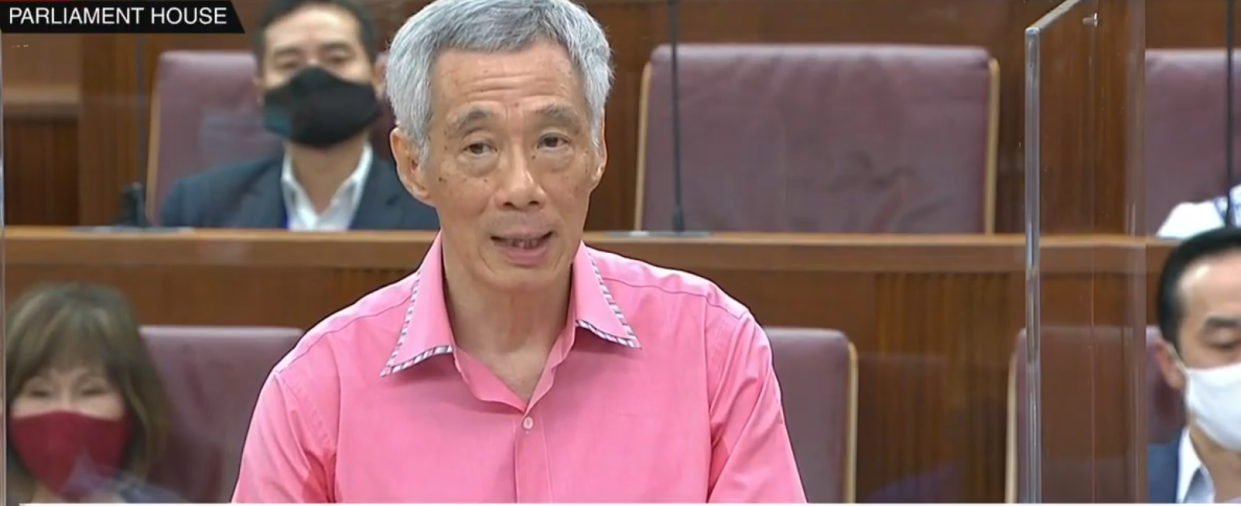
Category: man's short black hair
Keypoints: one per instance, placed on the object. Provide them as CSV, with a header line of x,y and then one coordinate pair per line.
x,y
1169,306
368,34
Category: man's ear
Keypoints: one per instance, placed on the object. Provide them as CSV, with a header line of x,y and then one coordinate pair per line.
x,y
259,89
602,143
412,174
1169,367
381,64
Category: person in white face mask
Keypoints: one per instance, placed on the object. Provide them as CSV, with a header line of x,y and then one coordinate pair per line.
x,y
1199,313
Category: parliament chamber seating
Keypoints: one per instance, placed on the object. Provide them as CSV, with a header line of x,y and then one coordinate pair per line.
x,y
212,376
817,371
862,139
206,112
1184,129
1165,412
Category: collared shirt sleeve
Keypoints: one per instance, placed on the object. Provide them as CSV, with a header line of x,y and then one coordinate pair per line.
x,y
287,453
751,456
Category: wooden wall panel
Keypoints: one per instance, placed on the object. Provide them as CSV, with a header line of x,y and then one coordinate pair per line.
x,y
40,162
42,60
1185,23
41,81
934,321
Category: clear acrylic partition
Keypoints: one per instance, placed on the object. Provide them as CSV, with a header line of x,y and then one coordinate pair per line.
x,y
1080,364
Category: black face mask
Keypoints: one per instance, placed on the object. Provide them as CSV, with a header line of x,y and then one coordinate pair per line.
x,y
319,109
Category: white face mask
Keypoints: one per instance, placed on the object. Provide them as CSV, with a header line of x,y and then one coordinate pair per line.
x,y
1213,396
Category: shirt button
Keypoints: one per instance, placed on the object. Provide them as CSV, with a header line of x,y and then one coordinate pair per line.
x,y
528,423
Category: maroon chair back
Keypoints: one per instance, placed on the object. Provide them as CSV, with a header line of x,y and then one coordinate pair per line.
x,y
212,376
822,138
206,113
1185,129
817,371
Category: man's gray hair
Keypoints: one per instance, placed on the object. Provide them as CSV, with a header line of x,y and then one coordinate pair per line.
x,y
492,26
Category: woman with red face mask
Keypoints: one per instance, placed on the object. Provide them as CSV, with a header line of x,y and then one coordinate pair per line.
x,y
86,411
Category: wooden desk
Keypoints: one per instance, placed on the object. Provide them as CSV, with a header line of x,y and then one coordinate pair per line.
x,y
933,319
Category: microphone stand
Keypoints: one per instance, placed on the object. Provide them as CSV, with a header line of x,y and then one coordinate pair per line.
x,y
1230,33
133,207
678,207
133,215
674,24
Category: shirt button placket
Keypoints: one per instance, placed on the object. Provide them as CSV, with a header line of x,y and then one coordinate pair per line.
x,y
531,464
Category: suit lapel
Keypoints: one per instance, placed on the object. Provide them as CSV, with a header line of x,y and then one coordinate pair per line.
x,y
378,209
1163,469
263,204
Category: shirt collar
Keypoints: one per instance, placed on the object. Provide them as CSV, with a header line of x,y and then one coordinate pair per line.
x,y
1190,467
426,332
350,188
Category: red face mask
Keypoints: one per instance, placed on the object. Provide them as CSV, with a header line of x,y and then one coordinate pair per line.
x,y
70,454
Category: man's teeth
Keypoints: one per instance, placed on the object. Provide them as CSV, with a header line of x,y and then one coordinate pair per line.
x,y
522,243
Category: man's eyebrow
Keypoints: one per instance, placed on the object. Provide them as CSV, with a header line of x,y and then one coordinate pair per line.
x,y
462,122
1222,322
335,45
559,114
285,51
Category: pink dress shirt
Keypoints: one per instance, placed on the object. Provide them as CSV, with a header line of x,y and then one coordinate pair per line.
x,y
660,389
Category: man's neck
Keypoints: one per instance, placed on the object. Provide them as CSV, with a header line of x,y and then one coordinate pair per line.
x,y
1224,466
321,172
487,321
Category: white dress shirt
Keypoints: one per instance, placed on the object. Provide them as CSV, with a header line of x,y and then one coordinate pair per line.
x,y
1193,482
340,212
1192,218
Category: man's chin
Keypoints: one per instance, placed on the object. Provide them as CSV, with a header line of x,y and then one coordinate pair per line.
x,y
525,277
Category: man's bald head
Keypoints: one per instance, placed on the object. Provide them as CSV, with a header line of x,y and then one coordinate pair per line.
x,y
1199,276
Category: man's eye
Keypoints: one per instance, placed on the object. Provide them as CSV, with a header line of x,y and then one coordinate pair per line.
x,y
477,148
553,141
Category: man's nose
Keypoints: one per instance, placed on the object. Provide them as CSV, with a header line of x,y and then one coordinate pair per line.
x,y
519,187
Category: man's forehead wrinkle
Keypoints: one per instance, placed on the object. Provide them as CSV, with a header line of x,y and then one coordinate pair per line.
x,y
473,114
562,114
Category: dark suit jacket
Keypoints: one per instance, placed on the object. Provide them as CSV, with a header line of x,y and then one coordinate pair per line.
x,y
1163,469
249,195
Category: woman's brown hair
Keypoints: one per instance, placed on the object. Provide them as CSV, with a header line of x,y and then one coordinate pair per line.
x,y
76,323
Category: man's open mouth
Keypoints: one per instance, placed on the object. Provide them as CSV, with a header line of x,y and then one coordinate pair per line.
x,y
526,242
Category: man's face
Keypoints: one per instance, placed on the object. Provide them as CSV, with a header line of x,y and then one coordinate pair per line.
x,y
510,164
317,35
1210,333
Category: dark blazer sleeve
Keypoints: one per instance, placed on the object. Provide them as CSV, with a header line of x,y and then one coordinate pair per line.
x,y
215,198
173,213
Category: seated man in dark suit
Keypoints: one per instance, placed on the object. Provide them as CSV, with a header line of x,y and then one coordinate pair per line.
x,y
1199,312
321,91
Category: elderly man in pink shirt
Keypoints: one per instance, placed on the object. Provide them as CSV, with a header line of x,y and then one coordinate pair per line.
x,y
517,364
